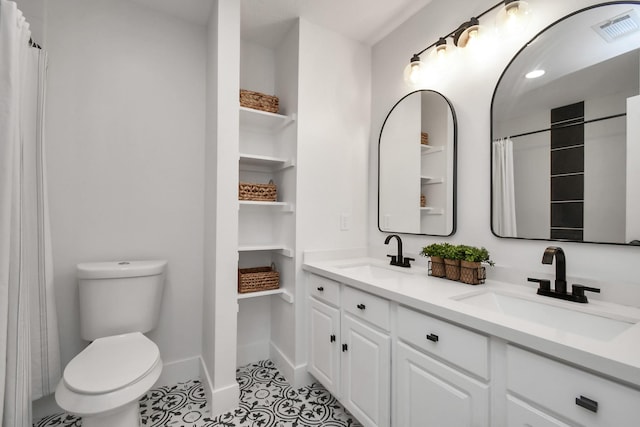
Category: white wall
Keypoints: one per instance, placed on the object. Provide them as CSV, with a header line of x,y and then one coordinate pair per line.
x,y
221,207
469,83
125,144
333,134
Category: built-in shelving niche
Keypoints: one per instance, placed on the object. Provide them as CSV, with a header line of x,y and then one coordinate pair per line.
x,y
266,230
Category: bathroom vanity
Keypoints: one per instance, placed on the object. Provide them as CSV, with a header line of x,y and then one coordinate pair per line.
x,y
400,348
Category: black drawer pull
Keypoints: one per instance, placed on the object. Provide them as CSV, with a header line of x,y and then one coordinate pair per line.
x,y
332,338
361,306
344,347
586,403
432,337
320,288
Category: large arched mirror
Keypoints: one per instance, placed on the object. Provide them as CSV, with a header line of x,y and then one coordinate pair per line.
x,y
417,166
565,123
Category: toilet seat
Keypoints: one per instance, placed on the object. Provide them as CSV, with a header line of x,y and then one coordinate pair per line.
x,y
111,363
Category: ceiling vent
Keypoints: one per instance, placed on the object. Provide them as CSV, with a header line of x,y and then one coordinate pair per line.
x,y
618,26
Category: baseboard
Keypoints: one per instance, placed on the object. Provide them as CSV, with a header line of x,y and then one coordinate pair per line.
x,y
250,353
220,400
297,376
179,371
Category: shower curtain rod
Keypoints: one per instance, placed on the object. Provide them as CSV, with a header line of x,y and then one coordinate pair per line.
x,y
33,44
568,125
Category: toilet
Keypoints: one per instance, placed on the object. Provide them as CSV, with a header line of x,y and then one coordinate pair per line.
x,y
119,302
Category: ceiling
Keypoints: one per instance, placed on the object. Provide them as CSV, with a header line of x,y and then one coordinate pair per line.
x,y
266,21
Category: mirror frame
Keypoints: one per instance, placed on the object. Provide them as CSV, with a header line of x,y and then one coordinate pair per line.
x,y
521,50
454,169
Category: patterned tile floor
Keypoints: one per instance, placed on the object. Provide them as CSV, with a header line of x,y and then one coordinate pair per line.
x,y
266,400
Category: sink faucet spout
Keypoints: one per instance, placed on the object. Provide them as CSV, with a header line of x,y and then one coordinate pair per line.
x,y
561,266
398,259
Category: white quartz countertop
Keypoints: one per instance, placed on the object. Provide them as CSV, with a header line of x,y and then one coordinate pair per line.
x,y
618,357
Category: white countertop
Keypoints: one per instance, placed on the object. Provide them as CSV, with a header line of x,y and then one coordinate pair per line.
x,y
618,358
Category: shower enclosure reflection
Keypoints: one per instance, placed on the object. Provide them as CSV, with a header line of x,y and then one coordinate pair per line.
x,y
565,149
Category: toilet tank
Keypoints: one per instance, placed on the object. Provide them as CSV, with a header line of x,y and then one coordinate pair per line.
x,y
119,297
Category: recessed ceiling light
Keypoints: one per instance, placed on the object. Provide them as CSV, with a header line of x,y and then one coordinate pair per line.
x,y
535,74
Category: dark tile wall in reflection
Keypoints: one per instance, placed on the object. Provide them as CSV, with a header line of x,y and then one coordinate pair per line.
x,y
567,172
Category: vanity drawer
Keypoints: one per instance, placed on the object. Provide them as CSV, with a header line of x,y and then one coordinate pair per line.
x,y
462,347
562,389
369,307
324,289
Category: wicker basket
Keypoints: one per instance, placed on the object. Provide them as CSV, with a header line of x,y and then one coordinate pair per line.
x,y
258,101
258,192
424,138
472,273
423,201
258,279
436,266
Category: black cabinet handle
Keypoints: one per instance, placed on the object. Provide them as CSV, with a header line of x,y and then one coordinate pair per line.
x,y
586,403
320,288
332,338
361,306
344,347
433,337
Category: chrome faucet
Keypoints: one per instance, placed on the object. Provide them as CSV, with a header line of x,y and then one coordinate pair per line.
x,y
398,259
560,283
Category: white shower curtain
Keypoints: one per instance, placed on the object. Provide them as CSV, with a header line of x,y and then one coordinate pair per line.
x,y
504,201
29,348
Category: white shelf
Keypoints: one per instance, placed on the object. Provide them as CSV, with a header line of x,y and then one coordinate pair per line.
x,y
428,180
284,206
288,297
279,249
263,120
430,149
429,210
252,162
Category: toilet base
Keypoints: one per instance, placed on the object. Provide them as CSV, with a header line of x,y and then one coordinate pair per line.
x,y
126,416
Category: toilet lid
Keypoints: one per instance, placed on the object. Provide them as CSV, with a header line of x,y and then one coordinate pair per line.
x,y
111,363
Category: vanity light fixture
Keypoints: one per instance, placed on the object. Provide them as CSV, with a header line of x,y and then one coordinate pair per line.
x,y
535,74
465,35
514,16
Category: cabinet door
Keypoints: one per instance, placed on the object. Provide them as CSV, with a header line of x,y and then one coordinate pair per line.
x,y
519,414
366,367
431,394
324,345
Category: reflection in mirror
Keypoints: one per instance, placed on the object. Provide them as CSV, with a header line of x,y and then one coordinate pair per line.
x,y
416,166
566,145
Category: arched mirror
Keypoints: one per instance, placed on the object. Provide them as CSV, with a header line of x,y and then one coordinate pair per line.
x,y
417,166
565,121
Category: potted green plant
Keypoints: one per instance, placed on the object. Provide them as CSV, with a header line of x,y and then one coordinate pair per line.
x,y
435,252
471,269
452,256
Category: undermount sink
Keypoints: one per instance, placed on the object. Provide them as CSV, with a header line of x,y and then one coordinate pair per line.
x,y
567,319
370,271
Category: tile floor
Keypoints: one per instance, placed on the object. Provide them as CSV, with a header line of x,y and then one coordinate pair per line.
x,y
266,400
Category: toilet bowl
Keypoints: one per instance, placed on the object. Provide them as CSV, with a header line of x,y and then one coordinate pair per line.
x,y
104,382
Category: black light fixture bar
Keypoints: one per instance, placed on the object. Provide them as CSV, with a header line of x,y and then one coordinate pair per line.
x,y
464,26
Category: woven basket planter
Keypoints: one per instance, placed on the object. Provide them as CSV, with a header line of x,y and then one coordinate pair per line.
x,y
257,192
472,273
437,266
452,269
258,279
424,138
259,101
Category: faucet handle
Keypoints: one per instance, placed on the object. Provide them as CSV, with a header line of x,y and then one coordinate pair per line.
x,y
394,259
545,284
578,291
407,261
